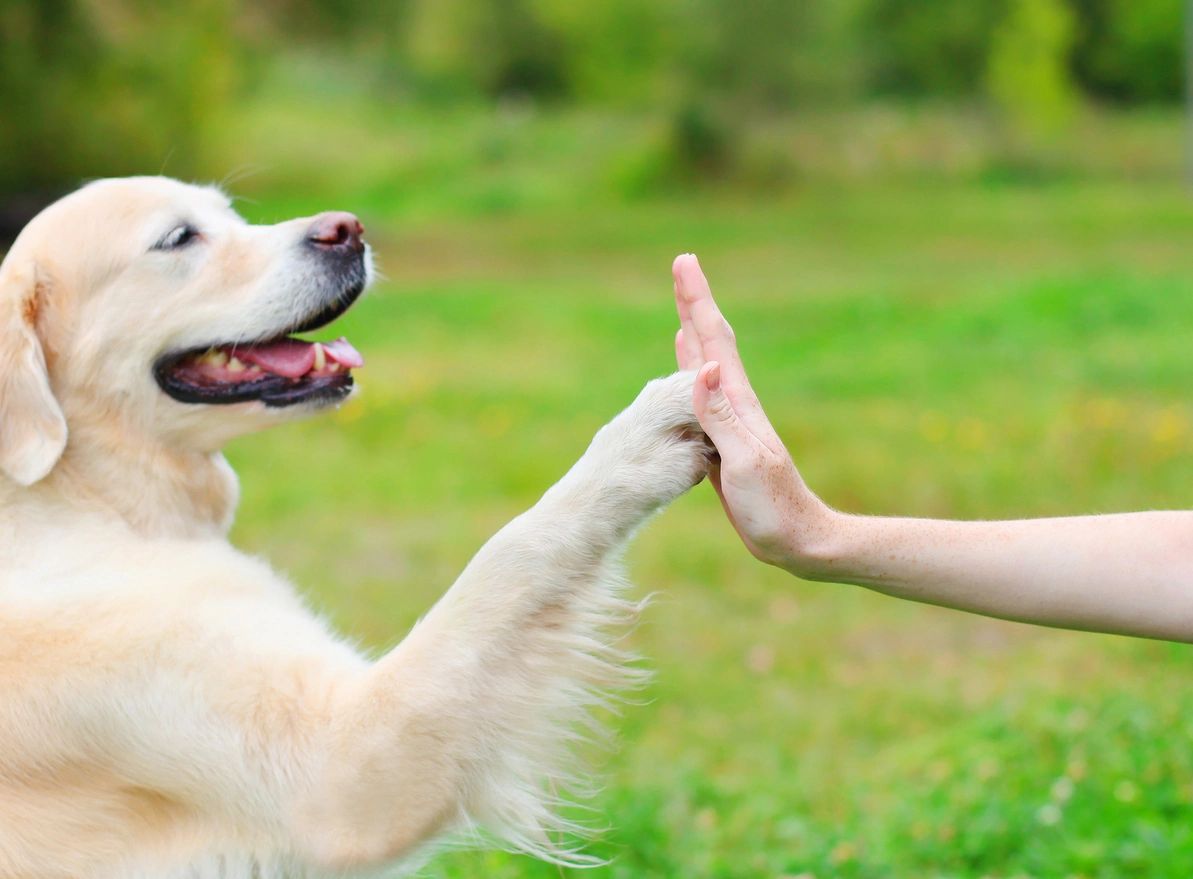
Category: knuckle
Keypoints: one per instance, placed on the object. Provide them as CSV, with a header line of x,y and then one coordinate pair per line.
x,y
720,409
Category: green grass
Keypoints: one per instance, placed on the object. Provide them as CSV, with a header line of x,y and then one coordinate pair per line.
x,y
956,349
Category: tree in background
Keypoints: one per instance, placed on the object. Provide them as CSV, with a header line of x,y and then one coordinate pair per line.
x,y
90,89
494,48
917,49
95,87
48,48
1130,51
1028,74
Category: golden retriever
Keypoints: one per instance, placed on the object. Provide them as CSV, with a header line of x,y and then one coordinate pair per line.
x,y
168,706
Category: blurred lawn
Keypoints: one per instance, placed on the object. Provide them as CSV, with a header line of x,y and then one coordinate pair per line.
x,y
950,347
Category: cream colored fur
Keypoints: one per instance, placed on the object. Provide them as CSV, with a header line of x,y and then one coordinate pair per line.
x,y
168,706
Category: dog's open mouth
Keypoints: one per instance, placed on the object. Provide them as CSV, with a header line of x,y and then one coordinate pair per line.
x,y
279,372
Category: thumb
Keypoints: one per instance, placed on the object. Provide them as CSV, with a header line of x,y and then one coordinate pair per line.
x,y
714,411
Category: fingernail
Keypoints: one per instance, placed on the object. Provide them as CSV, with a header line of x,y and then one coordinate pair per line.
x,y
712,378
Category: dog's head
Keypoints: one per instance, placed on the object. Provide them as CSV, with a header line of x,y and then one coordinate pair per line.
x,y
150,303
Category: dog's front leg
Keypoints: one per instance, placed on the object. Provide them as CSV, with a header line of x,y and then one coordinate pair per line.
x,y
467,722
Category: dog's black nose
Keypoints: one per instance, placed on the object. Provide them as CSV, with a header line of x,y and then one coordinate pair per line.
x,y
337,230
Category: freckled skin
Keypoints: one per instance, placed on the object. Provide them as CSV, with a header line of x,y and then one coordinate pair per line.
x,y
1130,573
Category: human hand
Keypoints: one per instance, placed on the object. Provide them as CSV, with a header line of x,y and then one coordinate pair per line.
x,y
1127,573
776,515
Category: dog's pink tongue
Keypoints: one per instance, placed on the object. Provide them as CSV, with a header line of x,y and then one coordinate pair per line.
x,y
294,358
288,357
342,352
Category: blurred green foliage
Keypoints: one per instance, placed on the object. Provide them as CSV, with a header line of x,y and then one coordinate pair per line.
x,y
1130,51
1028,74
91,89
99,87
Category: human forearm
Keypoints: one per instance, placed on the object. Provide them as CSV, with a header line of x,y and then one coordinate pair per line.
x,y
1128,573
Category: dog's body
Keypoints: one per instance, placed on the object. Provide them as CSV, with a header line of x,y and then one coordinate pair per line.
x,y
168,707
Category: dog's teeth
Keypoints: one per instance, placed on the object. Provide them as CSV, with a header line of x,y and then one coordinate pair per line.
x,y
254,367
334,367
320,357
234,365
215,358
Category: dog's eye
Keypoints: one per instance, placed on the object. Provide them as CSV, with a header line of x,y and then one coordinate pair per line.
x,y
179,236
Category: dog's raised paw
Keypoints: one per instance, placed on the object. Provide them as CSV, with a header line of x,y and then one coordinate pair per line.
x,y
659,438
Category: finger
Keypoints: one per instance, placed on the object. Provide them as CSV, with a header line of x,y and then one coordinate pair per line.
x,y
717,415
683,356
693,353
717,341
687,351
715,336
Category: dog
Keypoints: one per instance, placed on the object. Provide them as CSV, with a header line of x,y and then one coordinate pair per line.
x,y
168,705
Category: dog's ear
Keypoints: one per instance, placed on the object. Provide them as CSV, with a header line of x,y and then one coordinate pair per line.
x,y
32,426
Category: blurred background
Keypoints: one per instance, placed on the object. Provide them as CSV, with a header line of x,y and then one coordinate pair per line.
x,y
955,241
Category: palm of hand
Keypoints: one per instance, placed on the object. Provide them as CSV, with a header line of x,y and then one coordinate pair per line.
x,y
763,494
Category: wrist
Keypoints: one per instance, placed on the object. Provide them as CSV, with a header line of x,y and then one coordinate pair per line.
x,y
818,546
